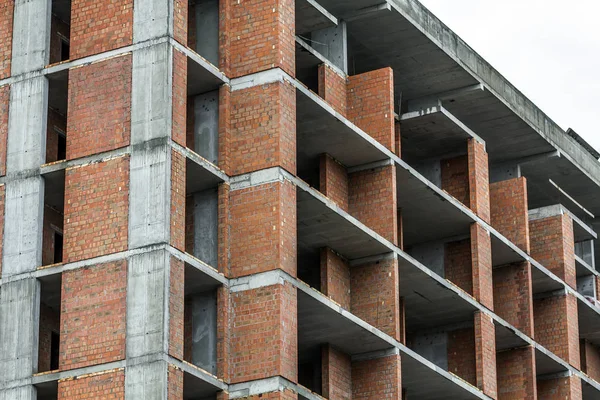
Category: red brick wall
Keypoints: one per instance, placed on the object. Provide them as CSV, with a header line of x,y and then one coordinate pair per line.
x,y
375,295
377,379
180,23
264,333
553,245
333,181
180,98
49,322
335,277
178,215
106,385
479,179
455,178
458,268
99,115
336,374
263,128
176,308
485,354
96,209
516,374
560,389
590,359
6,32
508,202
224,232
370,103
263,228
57,26
4,102
556,326
372,200
93,315
52,218
223,333
258,35
99,26
174,383
481,249
513,299
284,395
55,121
332,88
398,136
461,354
225,118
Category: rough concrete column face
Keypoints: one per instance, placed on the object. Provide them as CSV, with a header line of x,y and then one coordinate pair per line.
x,y
337,374
263,228
513,299
479,179
263,127
481,251
485,354
508,206
6,32
560,388
110,384
21,393
147,381
158,18
378,378
517,374
370,102
557,327
259,35
375,297
333,181
590,359
4,102
266,344
335,277
372,200
332,88
553,245
30,35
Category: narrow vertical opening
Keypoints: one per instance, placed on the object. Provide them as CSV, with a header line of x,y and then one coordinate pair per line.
x,y
60,31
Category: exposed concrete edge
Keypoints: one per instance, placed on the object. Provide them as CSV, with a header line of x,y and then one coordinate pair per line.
x,y
201,161
72,373
269,385
319,56
198,59
49,168
323,11
374,355
260,78
580,261
373,165
197,372
198,264
257,178
559,209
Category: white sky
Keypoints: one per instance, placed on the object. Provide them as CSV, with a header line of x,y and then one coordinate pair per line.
x,y
549,49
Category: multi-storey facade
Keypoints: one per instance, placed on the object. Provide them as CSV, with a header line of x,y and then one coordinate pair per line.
x,y
279,199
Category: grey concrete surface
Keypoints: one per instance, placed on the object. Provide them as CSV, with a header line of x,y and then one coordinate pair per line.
x,y
206,219
31,35
332,43
146,381
152,19
204,331
206,126
207,30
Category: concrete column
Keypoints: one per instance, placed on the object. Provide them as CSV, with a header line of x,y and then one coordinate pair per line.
x,y
31,35
333,44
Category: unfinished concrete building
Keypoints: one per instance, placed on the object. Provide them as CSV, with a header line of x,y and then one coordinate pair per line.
x,y
279,199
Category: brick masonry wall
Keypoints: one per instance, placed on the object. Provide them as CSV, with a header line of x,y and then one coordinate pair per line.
x,y
225,123
333,180
180,20
264,333
461,354
56,121
223,333
93,315
6,32
263,228
180,99
178,199
455,178
332,88
191,24
556,326
590,359
370,104
508,202
99,114
106,385
372,200
516,374
99,26
553,245
560,389
335,277
96,209
485,354
377,379
481,250
336,374
4,102
58,28
479,179
49,322
513,299
176,308
398,138
374,291
258,35
223,230
52,220
458,268
263,128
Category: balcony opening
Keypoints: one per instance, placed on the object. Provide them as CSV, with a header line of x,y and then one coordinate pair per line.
x,y
56,126
203,22
49,324
60,28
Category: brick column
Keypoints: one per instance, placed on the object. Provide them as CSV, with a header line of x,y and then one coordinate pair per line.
x,y
513,299
485,354
378,378
336,374
481,252
516,374
560,388
508,203
335,277
333,180
590,359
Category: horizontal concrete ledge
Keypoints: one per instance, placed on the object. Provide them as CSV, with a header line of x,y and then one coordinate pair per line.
x,y
198,373
269,385
584,268
72,373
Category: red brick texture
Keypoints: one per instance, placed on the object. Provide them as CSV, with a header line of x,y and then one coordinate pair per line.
x,y
180,21
455,178
509,210
479,179
264,333
180,98
56,122
333,181
485,354
370,103
461,354
105,385
263,228
553,245
225,118
223,333
517,374
263,127
49,323
458,267
99,115
223,230
560,389
398,134
377,379
178,178
258,35
481,250
556,326
513,299
332,88
335,277
174,383
6,32
4,102
93,315
96,209
590,359
336,374
176,308
53,221
375,295
99,26
372,200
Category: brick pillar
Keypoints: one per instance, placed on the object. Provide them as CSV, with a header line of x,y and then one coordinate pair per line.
x,y
485,354
481,251
590,359
516,374
333,180
556,326
335,277
560,388
6,31
513,299
332,88
110,383
508,202
455,178
479,179
336,374
378,378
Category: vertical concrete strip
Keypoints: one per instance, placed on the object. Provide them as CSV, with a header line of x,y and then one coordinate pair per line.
x,y
31,35
20,393
333,44
152,19
147,381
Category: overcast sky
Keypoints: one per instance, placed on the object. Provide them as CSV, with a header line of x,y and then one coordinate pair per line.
x,y
549,49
